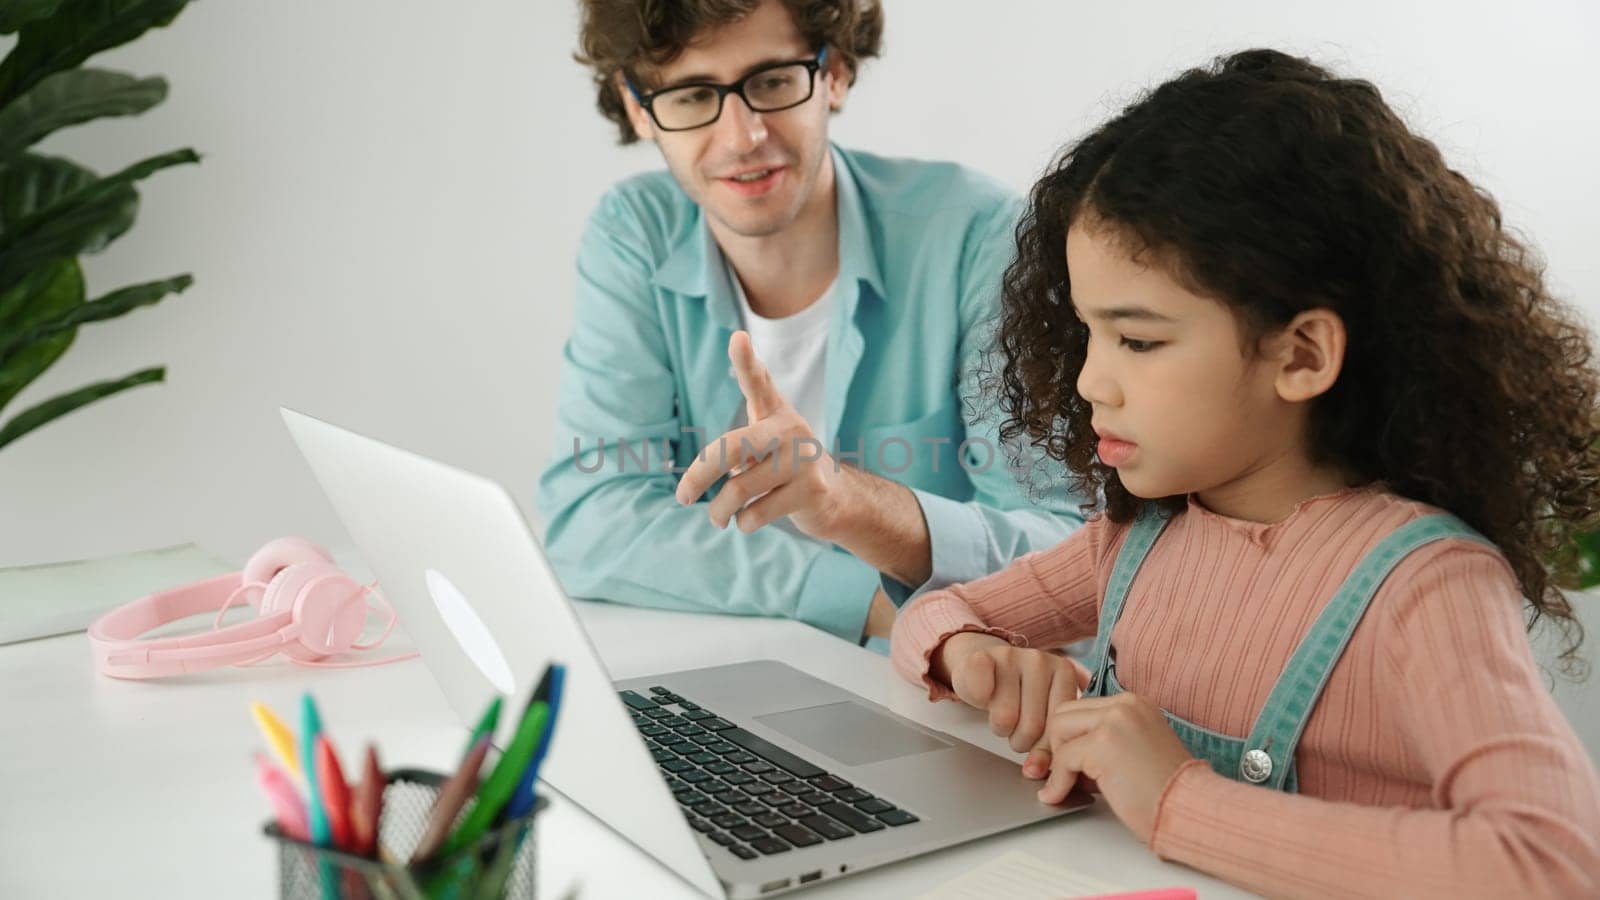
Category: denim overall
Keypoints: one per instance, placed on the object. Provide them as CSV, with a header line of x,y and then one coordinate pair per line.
x,y
1266,756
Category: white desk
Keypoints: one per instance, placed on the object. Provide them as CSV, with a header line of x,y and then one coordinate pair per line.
x,y
136,789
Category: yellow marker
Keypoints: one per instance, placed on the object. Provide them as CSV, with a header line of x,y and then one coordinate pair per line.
x,y
278,736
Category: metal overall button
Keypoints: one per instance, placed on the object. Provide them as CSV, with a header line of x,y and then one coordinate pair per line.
x,y
1256,766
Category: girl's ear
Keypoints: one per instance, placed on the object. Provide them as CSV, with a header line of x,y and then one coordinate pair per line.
x,y
636,113
1309,352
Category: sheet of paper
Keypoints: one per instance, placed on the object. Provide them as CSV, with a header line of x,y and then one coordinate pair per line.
x,y
1021,876
56,598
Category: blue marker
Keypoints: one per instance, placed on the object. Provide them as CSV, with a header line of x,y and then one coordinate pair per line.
x,y
549,690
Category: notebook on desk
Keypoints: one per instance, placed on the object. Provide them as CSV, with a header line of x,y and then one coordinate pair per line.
x,y
746,780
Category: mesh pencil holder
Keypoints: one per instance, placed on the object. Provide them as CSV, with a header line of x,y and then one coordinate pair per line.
x,y
499,864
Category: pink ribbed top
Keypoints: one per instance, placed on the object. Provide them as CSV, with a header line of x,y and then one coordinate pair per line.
x,y
1435,763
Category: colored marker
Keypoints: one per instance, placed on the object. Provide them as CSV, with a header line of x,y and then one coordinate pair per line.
x,y
335,793
498,787
549,690
366,806
447,803
310,728
287,807
278,736
486,724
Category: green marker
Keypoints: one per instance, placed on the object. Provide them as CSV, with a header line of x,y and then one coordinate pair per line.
x,y
497,789
486,724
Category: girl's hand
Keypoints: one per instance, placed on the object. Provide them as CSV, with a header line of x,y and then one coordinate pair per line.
x,y
1017,686
1123,743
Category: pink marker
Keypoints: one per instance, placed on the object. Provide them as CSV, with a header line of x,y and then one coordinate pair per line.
x,y
287,806
1176,893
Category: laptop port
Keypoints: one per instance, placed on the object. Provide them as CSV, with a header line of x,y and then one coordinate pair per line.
x,y
810,877
774,885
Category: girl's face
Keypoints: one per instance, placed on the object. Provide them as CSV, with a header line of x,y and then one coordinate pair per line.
x,y
1180,405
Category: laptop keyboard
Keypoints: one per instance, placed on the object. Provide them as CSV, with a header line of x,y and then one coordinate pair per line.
x,y
745,793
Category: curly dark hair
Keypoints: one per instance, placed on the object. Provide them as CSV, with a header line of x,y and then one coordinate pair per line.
x,y
1268,183
635,36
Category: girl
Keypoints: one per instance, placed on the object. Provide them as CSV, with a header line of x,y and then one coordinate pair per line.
x,y
1337,426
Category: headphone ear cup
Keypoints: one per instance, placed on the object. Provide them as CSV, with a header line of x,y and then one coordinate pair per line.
x,y
329,607
278,555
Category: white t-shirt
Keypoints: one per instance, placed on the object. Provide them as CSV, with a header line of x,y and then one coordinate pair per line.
x,y
795,350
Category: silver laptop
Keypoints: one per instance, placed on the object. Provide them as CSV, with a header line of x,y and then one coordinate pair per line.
x,y
746,780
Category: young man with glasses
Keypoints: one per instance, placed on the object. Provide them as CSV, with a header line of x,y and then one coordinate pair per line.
x,y
844,444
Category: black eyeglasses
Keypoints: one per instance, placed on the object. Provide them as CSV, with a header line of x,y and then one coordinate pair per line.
x,y
768,89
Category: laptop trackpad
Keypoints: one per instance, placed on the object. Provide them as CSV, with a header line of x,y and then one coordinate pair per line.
x,y
851,733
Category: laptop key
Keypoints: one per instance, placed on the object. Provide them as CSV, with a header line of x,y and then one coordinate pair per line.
x,y
671,740
700,825
716,724
725,749
721,837
739,778
742,851
771,752
776,777
827,827
769,845
686,704
661,755
658,713
816,798
637,701
897,817
850,817
720,768
795,788
672,721
751,808
674,765
748,832
652,730
696,776
709,737
737,757
759,788
698,713
776,800
829,783
769,819
851,795
729,820
796,810
701,757
799,835
658,689
690,797
708,809
757,767
873,806
715,787
689,729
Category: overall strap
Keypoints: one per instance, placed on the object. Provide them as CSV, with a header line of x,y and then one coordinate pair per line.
x,y
1269,749
1142,535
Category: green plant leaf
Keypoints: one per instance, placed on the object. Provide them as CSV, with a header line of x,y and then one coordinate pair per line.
x,y
17,13
31,182
73,97
83,221
110,306
47,293
75,31
58,406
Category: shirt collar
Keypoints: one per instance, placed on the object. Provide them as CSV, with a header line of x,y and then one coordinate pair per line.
x,y
695,267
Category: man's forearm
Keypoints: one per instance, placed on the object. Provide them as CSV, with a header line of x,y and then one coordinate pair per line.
x,y
882,525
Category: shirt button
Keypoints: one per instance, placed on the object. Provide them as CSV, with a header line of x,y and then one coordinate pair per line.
x,y
1256,766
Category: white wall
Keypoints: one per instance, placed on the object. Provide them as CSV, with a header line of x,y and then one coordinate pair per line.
x,y
383,226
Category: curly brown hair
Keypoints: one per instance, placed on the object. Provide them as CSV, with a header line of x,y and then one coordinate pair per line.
x,y
636,36
1270,184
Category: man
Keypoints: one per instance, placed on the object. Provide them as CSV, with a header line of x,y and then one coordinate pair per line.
x,y
855,472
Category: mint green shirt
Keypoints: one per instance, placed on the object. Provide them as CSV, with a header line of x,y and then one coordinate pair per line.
x,y
922,247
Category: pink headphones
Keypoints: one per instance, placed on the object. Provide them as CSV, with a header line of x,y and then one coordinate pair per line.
x,y
306,607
